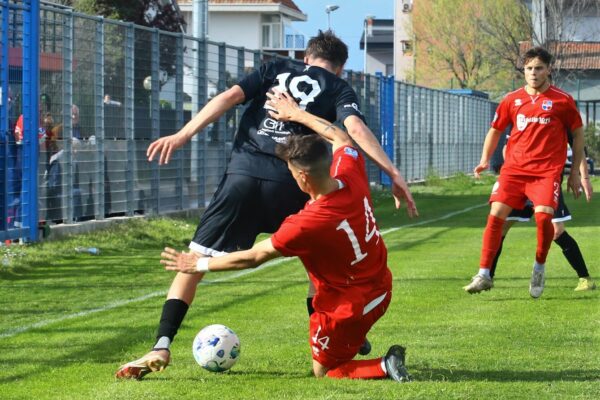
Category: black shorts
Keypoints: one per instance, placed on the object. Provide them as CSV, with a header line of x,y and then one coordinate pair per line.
x,y
241,208
561,214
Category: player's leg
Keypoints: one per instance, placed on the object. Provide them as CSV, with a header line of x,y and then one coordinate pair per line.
x,y
544,193
335,342
492,237
507,194
229,223
522,215
569,246
365,348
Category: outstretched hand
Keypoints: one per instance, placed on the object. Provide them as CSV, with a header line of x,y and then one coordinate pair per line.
x,y
588,190
483,166
165,146
574,184
401,191
180,262
284,105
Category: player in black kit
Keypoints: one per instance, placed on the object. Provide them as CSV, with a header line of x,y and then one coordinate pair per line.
x,y
257,191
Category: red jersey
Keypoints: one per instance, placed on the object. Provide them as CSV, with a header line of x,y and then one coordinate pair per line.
x,y
538,141
337,239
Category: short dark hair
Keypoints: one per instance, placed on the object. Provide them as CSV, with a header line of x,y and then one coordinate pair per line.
x,y
307,152
328,47
537,52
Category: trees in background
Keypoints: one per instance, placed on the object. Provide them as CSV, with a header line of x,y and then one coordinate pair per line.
x,y
476,44
469,44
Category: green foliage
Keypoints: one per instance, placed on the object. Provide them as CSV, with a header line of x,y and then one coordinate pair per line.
x,y
69,319
472,42
592,142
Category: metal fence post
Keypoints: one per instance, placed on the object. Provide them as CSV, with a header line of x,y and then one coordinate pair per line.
x,y
179,118
31,42
67,131
128,104
221,86
155,117
99,119
200,154
386,117
4,128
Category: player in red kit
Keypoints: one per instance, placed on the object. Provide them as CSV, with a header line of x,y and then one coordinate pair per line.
x,y
540,115
336,237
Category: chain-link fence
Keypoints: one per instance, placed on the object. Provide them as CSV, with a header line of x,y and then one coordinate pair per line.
x,y
107,89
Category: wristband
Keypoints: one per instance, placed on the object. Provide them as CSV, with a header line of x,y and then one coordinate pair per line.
x,y
202,264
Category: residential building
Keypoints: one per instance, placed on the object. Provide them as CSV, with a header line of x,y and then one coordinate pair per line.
x,y
254,24
404,50
378,39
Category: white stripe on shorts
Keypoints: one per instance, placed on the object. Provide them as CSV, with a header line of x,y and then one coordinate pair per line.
x,y
205,250
374,303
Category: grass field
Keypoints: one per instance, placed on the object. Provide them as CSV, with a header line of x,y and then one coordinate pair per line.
x,y
69,320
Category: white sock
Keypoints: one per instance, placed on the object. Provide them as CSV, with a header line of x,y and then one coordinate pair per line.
x,y
485,272
538,267
383,367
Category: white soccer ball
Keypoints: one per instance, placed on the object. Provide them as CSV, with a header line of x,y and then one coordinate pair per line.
x,y
216,348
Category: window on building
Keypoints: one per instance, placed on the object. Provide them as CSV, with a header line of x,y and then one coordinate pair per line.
x,y
407,47
271,32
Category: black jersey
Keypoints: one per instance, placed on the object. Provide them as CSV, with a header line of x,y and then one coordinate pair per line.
x,y
315,89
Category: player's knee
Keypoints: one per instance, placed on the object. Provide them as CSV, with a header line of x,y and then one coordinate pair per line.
x,y
559,229
319,370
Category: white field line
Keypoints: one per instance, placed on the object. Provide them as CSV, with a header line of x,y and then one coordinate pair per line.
x,y
110,306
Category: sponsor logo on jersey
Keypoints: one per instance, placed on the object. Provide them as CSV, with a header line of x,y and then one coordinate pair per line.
x,y
523,121
351,152
518,102
547,105
276,130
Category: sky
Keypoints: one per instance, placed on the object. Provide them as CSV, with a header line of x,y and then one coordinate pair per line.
x,y
347,22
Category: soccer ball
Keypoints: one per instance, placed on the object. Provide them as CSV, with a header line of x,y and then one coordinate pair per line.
x,y
216,348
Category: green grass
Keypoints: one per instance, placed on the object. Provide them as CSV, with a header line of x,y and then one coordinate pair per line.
x,y
499,344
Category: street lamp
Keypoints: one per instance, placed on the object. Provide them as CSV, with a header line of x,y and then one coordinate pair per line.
x,y
329,9
368,31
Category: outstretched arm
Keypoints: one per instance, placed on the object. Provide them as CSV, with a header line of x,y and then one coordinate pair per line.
x,y
489,145
165,146
288,110
586,183
191,262
574,180
363,136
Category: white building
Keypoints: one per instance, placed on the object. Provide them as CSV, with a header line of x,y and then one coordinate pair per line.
x,y
254,24
404,57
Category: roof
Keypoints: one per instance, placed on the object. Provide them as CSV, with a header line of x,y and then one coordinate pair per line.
x,y
287,3
573,55
382,37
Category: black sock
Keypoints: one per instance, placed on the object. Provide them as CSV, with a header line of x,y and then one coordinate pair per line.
x,y
309,306
173,312
496,257
572,253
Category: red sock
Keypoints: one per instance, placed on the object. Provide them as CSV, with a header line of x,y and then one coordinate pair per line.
x,y
545,234
492,236
359,369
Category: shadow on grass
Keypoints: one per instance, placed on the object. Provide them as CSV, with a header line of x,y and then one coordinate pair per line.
x,y
458,375
108,350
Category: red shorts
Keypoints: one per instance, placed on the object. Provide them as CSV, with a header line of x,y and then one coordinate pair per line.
x,y
515,190
335,337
